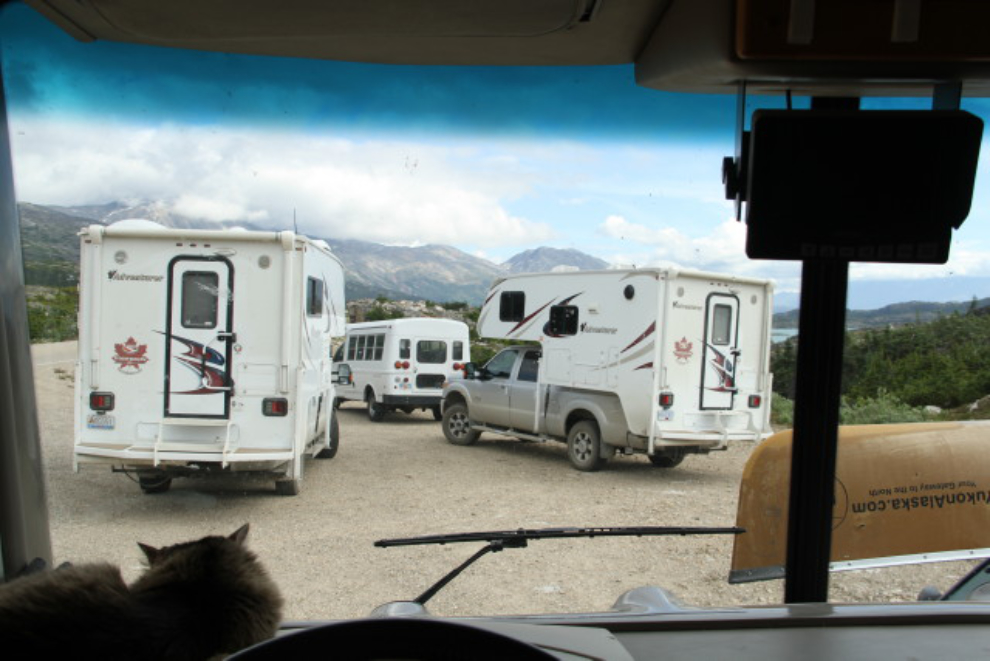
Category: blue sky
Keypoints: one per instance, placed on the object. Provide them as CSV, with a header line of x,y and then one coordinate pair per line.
x,y
493,161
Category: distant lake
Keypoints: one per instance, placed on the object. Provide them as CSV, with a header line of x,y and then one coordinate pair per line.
x,y
781,334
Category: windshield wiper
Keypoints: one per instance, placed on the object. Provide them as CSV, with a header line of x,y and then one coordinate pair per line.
x,y
516,539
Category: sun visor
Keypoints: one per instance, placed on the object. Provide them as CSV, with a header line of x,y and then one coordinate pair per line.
x,y
904,494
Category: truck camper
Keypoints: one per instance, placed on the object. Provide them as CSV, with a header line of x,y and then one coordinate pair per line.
x,y
205,350
653,360
400,364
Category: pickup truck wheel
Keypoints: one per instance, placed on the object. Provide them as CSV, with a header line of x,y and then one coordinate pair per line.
x,y
376,411
457,425
667,459
584,446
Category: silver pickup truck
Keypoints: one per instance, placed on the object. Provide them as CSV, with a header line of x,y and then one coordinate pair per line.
x,y
503,397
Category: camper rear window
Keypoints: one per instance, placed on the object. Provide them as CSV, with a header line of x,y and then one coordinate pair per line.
x,y
314,297
512,306
431,351
563,320
199,299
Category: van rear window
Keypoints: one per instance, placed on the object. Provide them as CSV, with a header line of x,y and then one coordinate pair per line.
x,y
431,352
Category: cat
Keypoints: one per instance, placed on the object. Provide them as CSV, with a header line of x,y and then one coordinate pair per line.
x,y
195,600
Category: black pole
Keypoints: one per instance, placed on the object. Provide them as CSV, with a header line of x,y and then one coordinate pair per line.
x,y
816,419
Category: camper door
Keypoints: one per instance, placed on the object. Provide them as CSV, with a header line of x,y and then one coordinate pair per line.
x,y
198,337
718,376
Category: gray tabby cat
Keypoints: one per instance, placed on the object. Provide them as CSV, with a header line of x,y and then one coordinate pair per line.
x,y
195,600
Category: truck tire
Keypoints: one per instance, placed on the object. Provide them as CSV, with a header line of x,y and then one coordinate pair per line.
x,y
667,458
457,425
330,451
376,411
584,446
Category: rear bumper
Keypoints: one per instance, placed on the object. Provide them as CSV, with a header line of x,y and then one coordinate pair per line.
x,y
399,401
176,454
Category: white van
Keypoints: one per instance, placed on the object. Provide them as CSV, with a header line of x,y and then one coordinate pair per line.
x,y
205,350
400,364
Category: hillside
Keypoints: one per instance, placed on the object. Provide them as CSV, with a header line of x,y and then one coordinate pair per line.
x,y
897,314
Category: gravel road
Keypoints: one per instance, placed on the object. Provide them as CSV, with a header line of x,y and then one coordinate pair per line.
x,y
400,478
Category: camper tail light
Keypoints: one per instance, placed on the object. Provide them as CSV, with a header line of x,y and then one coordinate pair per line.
x,y
666,399
101,401
275,406
755,401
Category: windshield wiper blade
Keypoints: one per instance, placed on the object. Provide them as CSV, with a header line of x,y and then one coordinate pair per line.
x,y
502,539
511,537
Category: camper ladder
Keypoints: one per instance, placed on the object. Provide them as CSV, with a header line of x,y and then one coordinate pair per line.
x,y
161,445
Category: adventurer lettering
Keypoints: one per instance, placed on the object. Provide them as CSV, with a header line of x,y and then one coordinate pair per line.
x,y
685,306
117,275
585,328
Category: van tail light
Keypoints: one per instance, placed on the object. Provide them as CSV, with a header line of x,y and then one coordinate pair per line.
x,y
755,401
405,364
275,406
666,399
402,364
101,401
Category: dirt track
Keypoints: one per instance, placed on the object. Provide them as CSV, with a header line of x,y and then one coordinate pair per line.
x,y
401,478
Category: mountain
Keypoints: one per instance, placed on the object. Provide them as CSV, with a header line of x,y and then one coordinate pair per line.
x,y
439,273
436,273
548,259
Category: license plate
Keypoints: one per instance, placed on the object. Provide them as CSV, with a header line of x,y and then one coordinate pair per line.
x,y
100,421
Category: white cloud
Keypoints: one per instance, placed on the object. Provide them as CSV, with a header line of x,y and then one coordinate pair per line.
x,y
376,190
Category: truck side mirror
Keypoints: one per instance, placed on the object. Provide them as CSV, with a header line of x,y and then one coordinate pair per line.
x,y
344,375
469,371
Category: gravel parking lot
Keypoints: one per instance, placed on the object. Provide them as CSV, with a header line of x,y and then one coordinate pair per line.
x,y
400,478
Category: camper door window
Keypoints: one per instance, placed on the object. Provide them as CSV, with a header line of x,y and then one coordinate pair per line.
x,y
431,351
721,325
199,299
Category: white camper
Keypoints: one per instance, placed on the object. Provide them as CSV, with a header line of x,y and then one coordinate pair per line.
x,y
652,360
203,350
400,364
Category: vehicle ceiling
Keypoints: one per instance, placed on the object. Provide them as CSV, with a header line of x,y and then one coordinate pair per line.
x,y
847,47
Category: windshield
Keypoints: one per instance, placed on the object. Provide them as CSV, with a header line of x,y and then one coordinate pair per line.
x,y
429,184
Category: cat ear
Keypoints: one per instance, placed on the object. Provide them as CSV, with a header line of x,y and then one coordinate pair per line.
x,y
149,551
240,534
